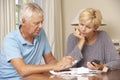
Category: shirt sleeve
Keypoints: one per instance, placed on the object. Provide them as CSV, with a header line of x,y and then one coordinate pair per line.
x,y
11,48
112,58
72,49
47,48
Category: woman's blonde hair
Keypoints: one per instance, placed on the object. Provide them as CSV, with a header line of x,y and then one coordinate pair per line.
x,y
91,15
28,9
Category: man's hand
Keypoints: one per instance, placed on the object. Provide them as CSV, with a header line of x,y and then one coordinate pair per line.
x,y
95,66
64,63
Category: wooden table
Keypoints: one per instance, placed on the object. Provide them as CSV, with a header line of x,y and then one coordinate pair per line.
x,y
112,75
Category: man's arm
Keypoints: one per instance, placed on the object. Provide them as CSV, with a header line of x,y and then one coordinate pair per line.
x,y
26,69
49,58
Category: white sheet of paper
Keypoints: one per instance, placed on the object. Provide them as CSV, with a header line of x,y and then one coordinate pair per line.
x,y
76,72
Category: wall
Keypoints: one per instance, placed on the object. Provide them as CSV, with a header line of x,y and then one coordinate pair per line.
x,y
110,10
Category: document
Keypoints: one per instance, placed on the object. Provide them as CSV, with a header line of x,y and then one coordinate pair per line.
x,y
76,72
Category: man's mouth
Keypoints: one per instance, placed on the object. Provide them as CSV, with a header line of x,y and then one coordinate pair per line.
x,y
37,31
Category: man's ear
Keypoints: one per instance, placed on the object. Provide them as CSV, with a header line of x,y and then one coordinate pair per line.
x,y
23,20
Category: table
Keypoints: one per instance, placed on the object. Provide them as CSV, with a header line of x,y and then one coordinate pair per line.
x,y
111,75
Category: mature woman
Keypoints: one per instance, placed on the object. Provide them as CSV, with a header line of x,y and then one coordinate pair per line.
x,y
88,43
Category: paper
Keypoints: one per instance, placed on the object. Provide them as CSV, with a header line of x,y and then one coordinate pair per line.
x,y
80,70
74,62
76,72
61,73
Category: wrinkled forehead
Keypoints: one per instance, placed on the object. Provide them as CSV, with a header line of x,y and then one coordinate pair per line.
x,y
38,14
36,17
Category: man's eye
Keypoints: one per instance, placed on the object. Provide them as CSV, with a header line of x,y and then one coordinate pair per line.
x,y
36,23
82,24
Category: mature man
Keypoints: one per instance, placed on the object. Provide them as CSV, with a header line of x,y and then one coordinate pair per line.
x,y
23,48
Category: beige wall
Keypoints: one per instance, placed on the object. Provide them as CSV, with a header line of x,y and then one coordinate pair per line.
x,y
110,10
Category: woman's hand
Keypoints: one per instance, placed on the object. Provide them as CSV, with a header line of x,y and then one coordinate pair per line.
x,y
81,38
95,66
77,34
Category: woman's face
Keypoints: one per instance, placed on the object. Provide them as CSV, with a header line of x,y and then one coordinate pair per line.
x,y
86,29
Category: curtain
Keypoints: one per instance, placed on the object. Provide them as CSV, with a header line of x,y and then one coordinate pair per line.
x,y
48,25
7,18
58,29
53,25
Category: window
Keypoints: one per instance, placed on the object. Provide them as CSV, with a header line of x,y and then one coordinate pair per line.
x,y
18,3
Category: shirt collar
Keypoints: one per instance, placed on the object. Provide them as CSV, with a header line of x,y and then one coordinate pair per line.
x,y
22,40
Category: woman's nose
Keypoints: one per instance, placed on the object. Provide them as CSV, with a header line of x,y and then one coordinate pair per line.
x,y
83,28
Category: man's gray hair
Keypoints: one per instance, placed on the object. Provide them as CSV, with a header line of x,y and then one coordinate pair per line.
x,y
28,9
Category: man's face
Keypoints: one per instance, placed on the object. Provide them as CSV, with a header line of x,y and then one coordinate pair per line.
x,y
34,26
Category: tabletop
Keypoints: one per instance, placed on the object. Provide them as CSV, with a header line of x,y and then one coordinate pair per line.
x,y
111,75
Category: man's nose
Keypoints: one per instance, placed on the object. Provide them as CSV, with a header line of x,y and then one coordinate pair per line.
x,y
40,25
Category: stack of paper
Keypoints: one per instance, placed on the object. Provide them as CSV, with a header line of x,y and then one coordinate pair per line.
x,y
76,72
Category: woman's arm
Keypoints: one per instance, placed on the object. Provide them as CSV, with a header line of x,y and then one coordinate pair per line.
x,y
74,46
112,58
